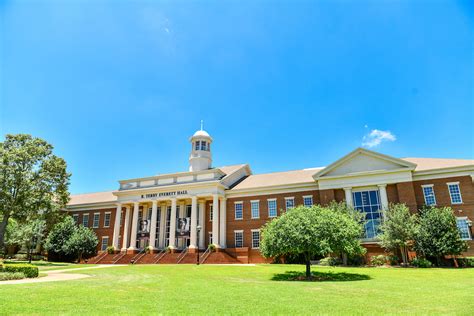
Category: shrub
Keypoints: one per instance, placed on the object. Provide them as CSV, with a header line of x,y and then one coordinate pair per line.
x,y
393,260
330,261
110,250
212,247
357,260
467,262
421,263
30,271
379,260
5,276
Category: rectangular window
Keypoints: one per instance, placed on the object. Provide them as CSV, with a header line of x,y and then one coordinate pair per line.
x,y
85,220
255,209
204,145
368,203
289,203
211,212
455,193
272,208
255,238
428,192
463,227
308,200
239,238
198,145
107,220
95,222
105,243
75,217
238,210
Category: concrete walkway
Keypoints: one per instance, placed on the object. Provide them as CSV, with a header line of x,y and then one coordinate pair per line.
x,y
60,275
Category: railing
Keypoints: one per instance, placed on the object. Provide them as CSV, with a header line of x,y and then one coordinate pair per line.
x,y
137,256
160,255
119,256
205,255
182,255
100,257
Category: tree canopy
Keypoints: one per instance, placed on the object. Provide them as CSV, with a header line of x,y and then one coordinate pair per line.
x,y
312,231
33,181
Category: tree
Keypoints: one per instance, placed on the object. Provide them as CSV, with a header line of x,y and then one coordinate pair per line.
x,y
83,243
33,181
311,231
437,234
398,229
24,235
67,241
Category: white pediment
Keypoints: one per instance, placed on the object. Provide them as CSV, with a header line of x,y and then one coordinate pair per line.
x,y
363,161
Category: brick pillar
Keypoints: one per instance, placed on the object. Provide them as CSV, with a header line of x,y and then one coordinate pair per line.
x,y
406,194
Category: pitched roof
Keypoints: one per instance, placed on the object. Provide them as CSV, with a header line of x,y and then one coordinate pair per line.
x,y
277,178
438,163
95,197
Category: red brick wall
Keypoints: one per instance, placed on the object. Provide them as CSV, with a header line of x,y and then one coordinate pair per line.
x,y
101,230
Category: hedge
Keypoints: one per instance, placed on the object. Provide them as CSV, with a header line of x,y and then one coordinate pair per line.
x,y
5,276
30,271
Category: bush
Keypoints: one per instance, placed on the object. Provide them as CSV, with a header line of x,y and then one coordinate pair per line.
x,y
110,250
356,260
467,262
393,260
421,263
30,271
212,247
330,261
379,260
5,276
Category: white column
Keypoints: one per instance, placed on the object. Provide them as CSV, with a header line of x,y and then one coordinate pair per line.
x,y
222,226
202,223
126,227
194,214
164,209
118,214
383,196
154,212
349,201
215,220
173,224
133,237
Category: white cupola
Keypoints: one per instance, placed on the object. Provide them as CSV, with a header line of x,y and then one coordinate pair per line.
x,y
200,158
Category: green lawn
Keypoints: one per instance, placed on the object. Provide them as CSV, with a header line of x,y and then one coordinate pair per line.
x,y
49,266
206,289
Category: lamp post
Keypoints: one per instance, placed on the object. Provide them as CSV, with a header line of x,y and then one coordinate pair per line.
x,y
198,229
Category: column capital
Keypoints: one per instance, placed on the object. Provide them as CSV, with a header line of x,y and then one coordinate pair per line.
x,y
384,185
118,204
347,189
154,202
136,203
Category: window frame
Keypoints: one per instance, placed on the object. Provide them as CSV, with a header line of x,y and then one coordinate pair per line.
x,y
235,238
308,197
75,218
211,211
98,220
105,217
241,203
102,243
251,209
276,207
289,198
467,225
449,184
88,219
252,239
425,196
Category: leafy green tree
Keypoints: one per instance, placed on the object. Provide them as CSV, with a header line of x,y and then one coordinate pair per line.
x,y
24,235
33,181
311,231
83,243
398,229
437,235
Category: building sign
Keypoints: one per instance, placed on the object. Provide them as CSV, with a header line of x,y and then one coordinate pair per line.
x,y
164,194
183,228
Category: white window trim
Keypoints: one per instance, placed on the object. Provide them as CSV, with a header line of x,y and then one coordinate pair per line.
x,y
434,194
110,218
235,233
289,198
259,237
75,217
88,219
235,203
460,195
251,213
269,200
468,229
308,197
93,221
102,243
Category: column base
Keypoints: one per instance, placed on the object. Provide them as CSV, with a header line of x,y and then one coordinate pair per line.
x,y
192,249
132,250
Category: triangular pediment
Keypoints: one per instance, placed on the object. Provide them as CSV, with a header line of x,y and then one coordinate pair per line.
x,y
362,161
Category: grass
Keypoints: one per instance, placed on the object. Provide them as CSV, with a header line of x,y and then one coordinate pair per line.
x,y
261,289
49,266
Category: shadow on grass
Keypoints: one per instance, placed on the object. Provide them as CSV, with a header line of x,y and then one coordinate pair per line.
x,y
320,276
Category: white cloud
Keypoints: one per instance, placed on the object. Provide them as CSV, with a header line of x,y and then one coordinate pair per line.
x,y
376,137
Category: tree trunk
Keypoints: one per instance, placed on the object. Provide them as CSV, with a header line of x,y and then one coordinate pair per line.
x,y
3,228
344,259
403,251
308,267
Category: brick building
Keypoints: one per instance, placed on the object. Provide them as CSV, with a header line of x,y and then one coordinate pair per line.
x,y
227,206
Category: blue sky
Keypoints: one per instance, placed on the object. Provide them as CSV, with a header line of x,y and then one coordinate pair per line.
x,y
119,86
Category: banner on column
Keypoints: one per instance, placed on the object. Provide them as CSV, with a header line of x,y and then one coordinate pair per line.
x,y
144,228
184,226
